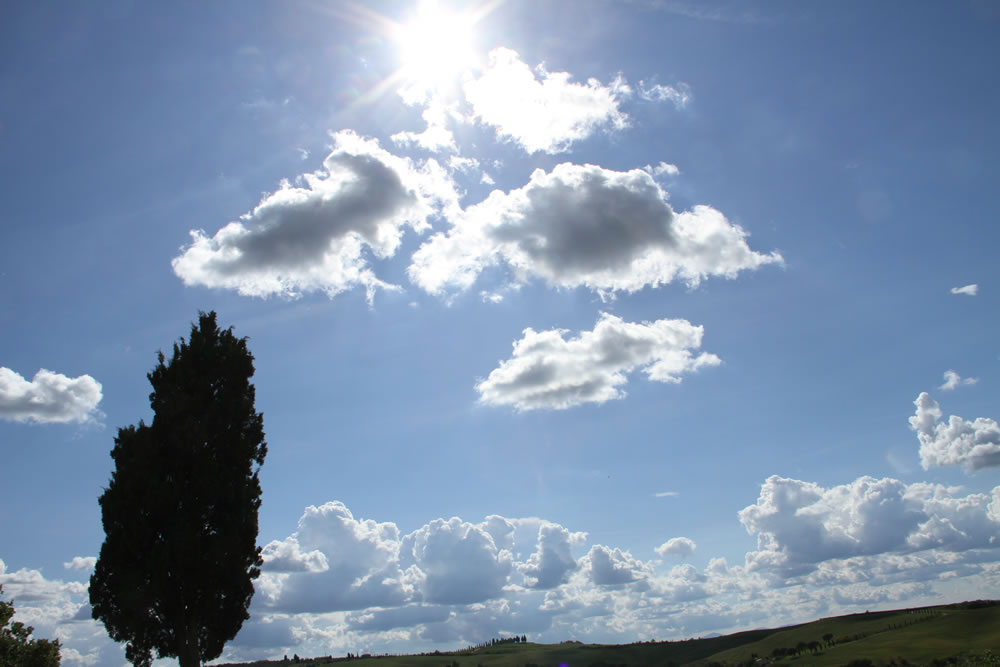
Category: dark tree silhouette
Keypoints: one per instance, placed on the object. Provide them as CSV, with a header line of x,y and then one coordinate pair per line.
x,y
175,573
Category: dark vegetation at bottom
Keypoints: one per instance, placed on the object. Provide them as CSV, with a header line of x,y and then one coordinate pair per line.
x,y
964,635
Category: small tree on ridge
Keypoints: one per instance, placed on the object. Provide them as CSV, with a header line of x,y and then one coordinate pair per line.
x,y
175,573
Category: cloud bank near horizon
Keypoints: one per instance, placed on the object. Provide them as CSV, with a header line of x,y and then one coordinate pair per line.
x,y
340,583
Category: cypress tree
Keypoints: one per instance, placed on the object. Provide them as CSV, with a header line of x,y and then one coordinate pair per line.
x,y
175,573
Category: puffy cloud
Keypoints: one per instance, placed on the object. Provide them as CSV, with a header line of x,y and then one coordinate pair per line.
x,y
954,523
663,168
582,225
683,583
81,563
552,563
676,546
800,524
451,582
459,561
679,95
614,567
972,444
548,371
287,556
48,398
361,559
953,380
436,137
544,114
969,290
58,610
314,235
501,530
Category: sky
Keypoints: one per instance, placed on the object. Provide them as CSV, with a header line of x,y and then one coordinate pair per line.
x,y
596,321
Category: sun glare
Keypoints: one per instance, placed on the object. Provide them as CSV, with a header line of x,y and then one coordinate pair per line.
x,y
437,45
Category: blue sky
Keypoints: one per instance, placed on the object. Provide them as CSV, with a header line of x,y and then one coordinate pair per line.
x,y
610,321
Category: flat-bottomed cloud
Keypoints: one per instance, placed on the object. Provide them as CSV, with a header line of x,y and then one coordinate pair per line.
x,y
48,398
315,235
585,226
547,371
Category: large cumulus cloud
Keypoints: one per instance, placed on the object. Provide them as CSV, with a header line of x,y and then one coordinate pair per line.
x,y
583,225
551,563
974,445
800,524
334,562
48,398
316,234
548,371
459,561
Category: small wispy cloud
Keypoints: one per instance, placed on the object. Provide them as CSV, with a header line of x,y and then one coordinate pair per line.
x,y
680,94
970,290
663,168
667,494
953,380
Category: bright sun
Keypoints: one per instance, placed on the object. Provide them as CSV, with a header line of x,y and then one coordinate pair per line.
x,y
437,46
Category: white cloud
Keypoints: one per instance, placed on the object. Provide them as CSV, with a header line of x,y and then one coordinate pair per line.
x,y
547,371
972,444
460,562
398,617
48,398
81,563
287,556
677,546
582,225
552,563
663,168
679,95
544,114
614,567
316,234
361,560
451,582
684,583
953,380
800,524
490,297
59,610
667,494
436,137
466,164
969,290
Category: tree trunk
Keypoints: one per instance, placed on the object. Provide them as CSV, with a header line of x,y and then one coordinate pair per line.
x,y
188,654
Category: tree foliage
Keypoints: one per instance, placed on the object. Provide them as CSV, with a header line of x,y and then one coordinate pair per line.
x,y
175,573
17,648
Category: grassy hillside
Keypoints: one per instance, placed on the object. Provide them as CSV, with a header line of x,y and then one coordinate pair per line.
x,y
907,636
918,636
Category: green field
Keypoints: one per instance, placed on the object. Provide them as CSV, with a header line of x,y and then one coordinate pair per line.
x,y
907,636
